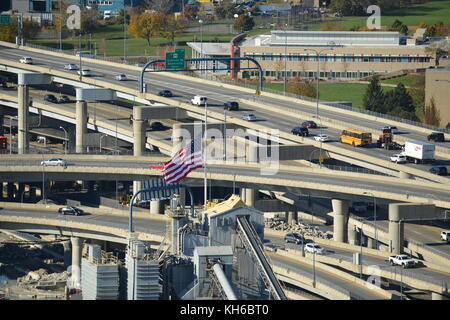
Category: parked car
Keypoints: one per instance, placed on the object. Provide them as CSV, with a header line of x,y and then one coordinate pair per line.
x,y
50,98
300,131
54,162
70,210
121,77
445,235
199,100
26,60
393,129
249,117
314,248
398,158
294,238
322,138
63,99
359,206
71,66
231,105
436,137
165,93
85,72
309,124
439,170
402,260
157,126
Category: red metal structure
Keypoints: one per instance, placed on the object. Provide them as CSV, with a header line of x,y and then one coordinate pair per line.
x,y
3,143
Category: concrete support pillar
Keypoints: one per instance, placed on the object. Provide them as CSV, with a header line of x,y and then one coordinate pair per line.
x,y
1,191
340,219
362,240
21,191
10,191
370,243
396,229
67,253
156,207
252,153
139,127
23,99
249,196
183,198
81,126
76,251
405,175
137,185
353,236
291,217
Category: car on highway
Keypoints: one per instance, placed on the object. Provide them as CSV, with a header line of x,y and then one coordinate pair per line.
x,y
54,162
398,158
439,170
270,247
359,206
165,93
63,99
231,106
314,248
322,138
402,260
393,129
157,126
85,72
70,210
199,100
121,77
71,66
294,238
249,117
436,137
26,60
50,98
309,124
445,235
300,131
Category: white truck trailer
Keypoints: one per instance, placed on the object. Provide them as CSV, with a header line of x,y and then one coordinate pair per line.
x,y
419,152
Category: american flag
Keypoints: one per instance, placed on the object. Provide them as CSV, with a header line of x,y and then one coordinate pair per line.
x,y
184,161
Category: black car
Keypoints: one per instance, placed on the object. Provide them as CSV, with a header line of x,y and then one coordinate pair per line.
x,y
294,238
231,105
436,137
157,126
165,93
71,210
64,99
300,131
439,170
50,98
309,124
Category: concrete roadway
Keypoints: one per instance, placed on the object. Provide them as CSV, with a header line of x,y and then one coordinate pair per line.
x,y
216,95
159,227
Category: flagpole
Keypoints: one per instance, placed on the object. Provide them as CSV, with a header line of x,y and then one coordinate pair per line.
x,y
205,158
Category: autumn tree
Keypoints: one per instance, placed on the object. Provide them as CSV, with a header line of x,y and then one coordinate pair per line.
x,y
8,32
147,25
161,6
302,88
244,23
432,114
173,27
190,12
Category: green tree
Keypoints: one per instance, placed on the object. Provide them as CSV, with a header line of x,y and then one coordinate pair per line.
x,y
225,9
374,96
350,7
432,114
8,32
173,27
398,102
302,88
244,23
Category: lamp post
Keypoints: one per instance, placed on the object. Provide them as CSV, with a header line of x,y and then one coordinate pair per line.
x,y
66,142
101,137
43,183
285,60
224,134
79,53
10,135
60,26
374,216
201,42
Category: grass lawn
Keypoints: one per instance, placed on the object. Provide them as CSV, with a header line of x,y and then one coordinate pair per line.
x,y
430,13
353,92
406,80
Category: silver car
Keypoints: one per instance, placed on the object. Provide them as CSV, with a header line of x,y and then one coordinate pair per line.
x,y
121,77
314,248
54,162
71,66
249,117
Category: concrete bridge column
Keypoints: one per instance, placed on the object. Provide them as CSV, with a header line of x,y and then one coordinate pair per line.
x,y
370,243
81,126
291,217
1,191
77,245
156,207
405,175
340,219
67,253
396,230
249,196
183,198
353,236
139,136
10,190
23,99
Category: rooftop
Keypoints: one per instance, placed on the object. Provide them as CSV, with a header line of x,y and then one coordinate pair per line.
x,y
211,48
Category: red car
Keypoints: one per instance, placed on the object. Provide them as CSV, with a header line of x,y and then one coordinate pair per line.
x,y
309,124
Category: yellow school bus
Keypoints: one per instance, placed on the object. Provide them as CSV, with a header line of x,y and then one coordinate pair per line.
x,y
355,138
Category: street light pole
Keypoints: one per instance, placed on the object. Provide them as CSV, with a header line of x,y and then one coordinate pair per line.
x,y
374,216
285,60
66,142
225,135
201,42
60,26
79,53
10,135
101,137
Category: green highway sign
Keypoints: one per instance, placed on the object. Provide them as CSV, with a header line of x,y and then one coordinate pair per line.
x,y
175,60
5,18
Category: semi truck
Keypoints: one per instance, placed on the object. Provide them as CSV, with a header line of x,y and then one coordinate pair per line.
x,y
386,140
419,152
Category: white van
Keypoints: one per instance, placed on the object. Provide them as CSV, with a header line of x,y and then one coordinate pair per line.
x,y
199,100
445,235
